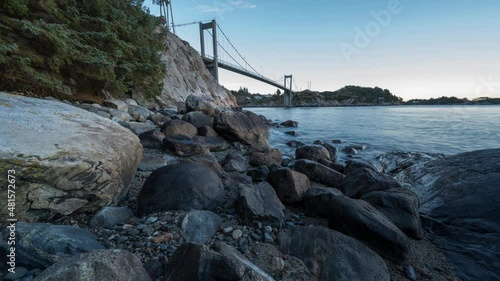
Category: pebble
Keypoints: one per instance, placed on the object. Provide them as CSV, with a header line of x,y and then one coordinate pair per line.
x,y
122,239
166,237
127,226
151,220
237,234
410,273
277,264
133,232
268,238
267,229
141,226
255,236
290,224
228,230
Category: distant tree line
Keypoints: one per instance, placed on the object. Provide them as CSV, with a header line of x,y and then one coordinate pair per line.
x,y
454,101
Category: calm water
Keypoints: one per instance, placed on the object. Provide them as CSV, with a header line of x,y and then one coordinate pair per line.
x,y
437,129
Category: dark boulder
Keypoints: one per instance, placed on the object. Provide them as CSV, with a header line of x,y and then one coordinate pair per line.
x,y
288,184
183,146
195,103
312,152
243,126
104,265
353,164
294,143
364,180
259,202
293,133
258,174
266,158
319,173
290,123
109,216
207,131
212,143
198,119
360,220
39,245
317,200
331,255
460,209
152,139
400,205
336,166
181,186
334,153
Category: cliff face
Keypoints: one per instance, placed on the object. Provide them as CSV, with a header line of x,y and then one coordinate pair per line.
x,y
186,75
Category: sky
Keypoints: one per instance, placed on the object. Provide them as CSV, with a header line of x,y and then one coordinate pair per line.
x,y
414,48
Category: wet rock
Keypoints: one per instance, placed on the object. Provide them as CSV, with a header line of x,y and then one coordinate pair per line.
x,y
395,162
400,205
317,200
258,174
234,162
266,158
360,220
364,180
319,173
460,208
293,133
290,123
312,152
200,226
110,216
39,245
97,265
198,119
334,152
243,126
294,143
260,202
350,150
181,186
331,255
288,184
353,164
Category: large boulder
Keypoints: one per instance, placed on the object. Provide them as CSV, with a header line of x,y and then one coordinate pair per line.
x,y
198,119
317,200
65,159
220,263
259,202
360,220
179,127
182,186
39,245
109,216
288,184
104,265
331,255
364,180
400,205
312,152
195,103
234,162
459,196
243,126
319,173
265,158
183,146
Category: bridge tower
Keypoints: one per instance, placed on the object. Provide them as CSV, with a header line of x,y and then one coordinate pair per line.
x,y
288,91
213,67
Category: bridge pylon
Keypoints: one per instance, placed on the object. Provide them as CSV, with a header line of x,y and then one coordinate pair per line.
x,y
288,95
213,67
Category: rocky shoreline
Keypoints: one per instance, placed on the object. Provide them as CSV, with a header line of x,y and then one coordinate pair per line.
x,y
210,200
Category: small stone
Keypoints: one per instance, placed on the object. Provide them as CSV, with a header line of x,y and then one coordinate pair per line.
x,y
255,236
127,226
163,247
151,220
267,229
410,273
268,238
277,264
290,224
228,230
237,234
164,238
141,226
122,239
133,232
337,141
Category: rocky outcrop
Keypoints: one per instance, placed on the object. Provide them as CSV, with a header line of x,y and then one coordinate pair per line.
x,y
460,208
319,173
187,75
65,159
364,180
289,184
105,265
179,187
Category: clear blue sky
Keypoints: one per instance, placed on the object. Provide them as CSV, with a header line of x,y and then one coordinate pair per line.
x,y
415,48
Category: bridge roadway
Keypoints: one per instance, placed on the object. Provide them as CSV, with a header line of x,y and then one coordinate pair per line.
x,y
237,69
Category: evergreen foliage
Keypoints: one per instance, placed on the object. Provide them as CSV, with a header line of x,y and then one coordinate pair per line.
x,y
90,46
